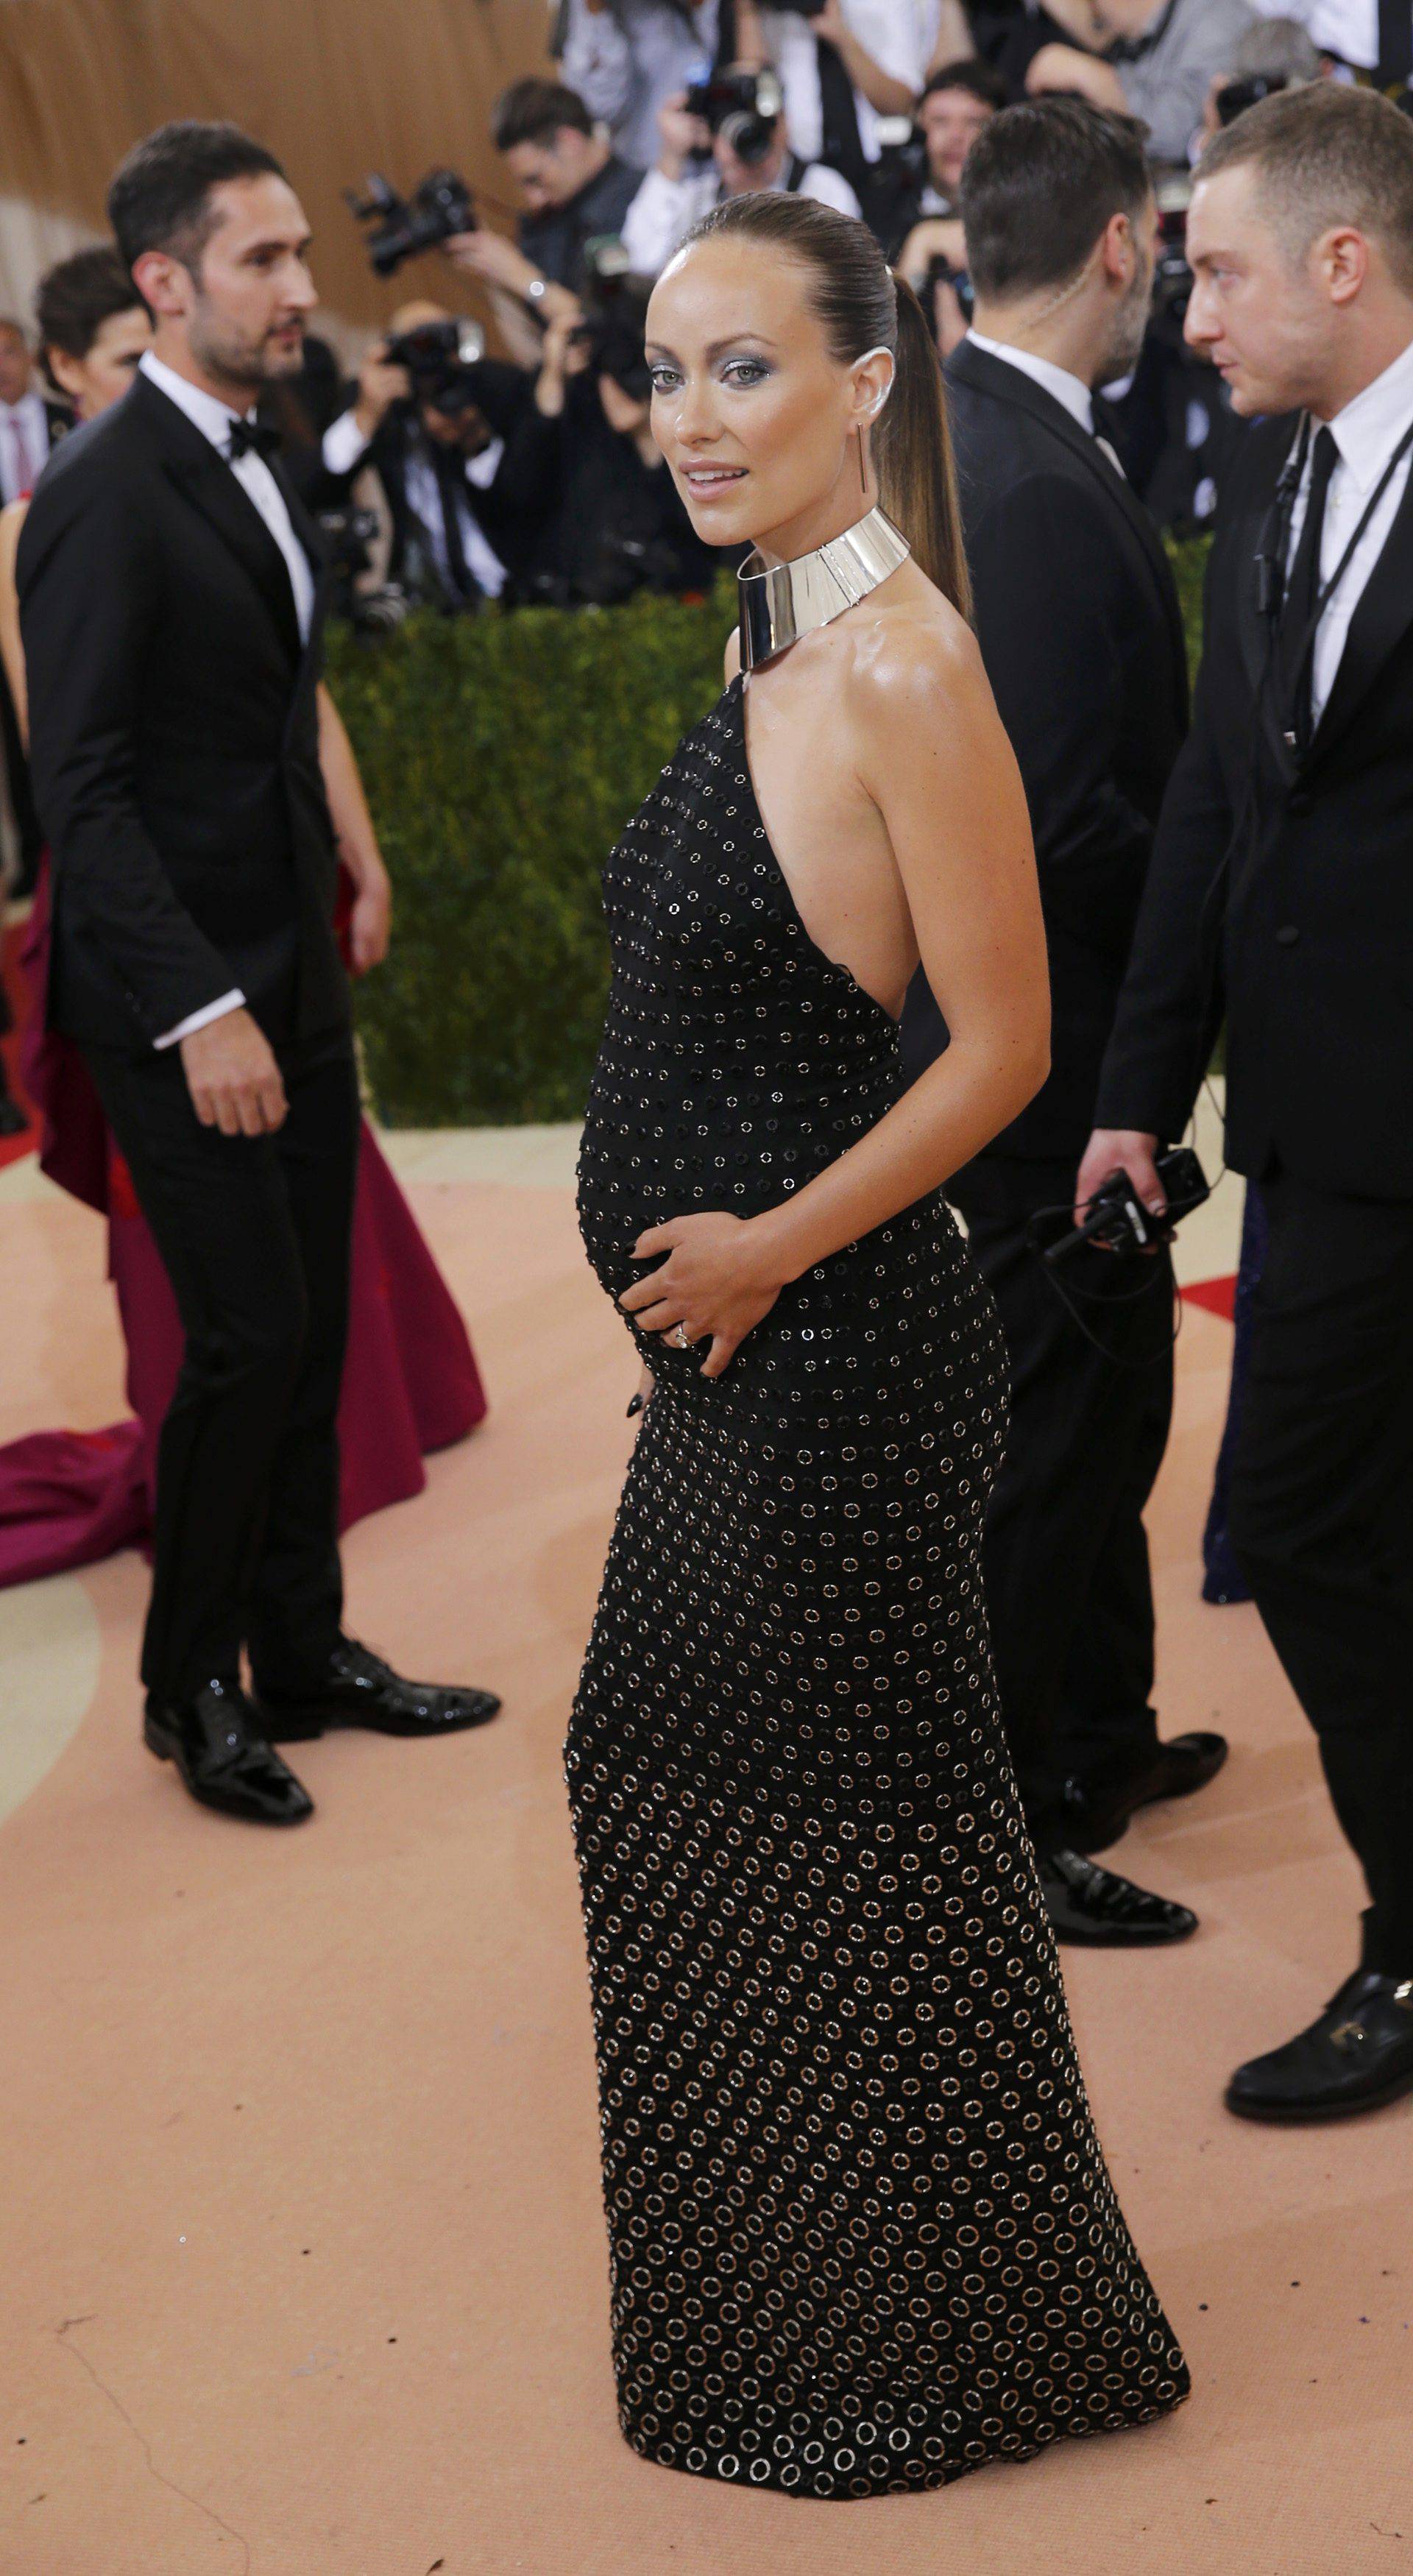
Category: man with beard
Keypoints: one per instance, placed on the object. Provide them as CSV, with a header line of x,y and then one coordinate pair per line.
x,y
1078,622
185,757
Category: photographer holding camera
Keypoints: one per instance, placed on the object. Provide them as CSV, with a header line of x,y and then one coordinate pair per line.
x,y
465,462
576,190
845,66
925,226
621,526
726,139
1078,623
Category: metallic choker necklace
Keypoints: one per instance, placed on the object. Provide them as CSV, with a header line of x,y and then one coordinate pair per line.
x,y
781,602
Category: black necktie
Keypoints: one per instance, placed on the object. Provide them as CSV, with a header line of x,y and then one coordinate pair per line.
x,y
1295,636
251,437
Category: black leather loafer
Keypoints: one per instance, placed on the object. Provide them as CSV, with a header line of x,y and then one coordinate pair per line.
x,y
1093,1904
1098,1811
359,1689
1357,2056
217,1745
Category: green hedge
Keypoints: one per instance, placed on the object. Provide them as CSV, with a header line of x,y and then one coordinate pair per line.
x,y
502,755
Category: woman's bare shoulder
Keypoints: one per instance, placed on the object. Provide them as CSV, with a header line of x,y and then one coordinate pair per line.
x,y
913,658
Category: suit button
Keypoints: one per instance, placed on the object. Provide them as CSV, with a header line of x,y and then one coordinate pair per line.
x,y
1287,935
1299,801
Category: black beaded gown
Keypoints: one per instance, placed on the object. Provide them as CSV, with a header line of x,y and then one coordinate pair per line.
x,y
862,2236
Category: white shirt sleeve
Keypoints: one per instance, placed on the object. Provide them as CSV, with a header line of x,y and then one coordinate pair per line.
x,y
829,189
187,1028
662,214
344,443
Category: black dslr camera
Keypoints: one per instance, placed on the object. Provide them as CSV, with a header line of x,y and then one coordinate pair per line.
x,y
1119,1221
615,314
440,206
745,107
349,536
1234,100
441,359
1172,278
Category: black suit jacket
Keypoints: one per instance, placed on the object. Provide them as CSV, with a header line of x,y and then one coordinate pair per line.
x,y
1078,621
174,738
1283,887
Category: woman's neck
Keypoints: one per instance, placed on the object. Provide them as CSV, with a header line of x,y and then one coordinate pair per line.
x,y
814,527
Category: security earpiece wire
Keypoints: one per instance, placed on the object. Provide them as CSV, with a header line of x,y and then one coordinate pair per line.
x,y
1110,1297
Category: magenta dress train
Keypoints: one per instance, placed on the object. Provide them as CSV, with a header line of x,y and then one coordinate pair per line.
x,y
410,1382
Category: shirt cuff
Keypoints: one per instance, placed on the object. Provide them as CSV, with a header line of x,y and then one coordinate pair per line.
x,y
187,1028
343,444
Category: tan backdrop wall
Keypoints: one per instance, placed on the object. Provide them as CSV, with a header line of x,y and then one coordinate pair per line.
x,y
335,87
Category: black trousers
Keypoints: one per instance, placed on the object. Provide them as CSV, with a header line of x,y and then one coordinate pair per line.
x,y
1067,1575
1321,1512
255,1233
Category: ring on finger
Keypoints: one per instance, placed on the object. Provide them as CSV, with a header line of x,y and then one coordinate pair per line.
x,y
680,1336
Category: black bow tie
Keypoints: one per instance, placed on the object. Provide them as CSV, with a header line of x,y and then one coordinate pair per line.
x,y
251,437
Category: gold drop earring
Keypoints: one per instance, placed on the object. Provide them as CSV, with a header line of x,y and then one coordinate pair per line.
x,y
863,477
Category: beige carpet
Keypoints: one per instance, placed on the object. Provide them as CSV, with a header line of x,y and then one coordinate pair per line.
x,y
304,2267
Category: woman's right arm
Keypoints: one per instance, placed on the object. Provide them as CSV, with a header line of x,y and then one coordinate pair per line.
x,y
11,649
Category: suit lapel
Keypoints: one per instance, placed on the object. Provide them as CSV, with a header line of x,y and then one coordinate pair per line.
x,y
200,471
1382,616
1005,383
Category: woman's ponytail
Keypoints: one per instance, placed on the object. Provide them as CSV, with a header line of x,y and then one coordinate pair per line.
x,y
912,448
863,307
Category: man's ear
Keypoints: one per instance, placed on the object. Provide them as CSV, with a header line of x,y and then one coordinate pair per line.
x,y
1340,260
1117,249
163,283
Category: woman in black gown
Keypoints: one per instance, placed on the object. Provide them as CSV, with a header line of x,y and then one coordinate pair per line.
x,y
862,2235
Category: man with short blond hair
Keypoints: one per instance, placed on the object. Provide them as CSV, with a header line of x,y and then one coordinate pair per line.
x,y
1281,891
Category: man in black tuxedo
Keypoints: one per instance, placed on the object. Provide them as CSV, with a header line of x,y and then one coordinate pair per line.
x,y
1281,881
169,596
1078,623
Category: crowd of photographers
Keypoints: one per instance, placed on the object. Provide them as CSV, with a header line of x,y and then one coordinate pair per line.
x,y
450,477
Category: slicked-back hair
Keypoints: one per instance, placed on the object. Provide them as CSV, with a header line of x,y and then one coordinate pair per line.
x,y
533,111
1040,184
160,198
1323,156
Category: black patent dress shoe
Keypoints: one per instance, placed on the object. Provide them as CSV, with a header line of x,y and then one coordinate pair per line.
x,y
1093,1904
226,1762
1357,2056
359,1689
1098,1811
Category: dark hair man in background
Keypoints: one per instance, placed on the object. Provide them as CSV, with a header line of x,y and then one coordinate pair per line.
x,y
1282,875
576,190
1079,627
170,610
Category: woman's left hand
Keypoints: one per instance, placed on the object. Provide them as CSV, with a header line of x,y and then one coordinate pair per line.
x,y
716,1281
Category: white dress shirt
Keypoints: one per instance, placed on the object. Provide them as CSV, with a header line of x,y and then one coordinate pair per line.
x,y
1366,433
1070,390
213,418
344,445
24,446
664,210
901,36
